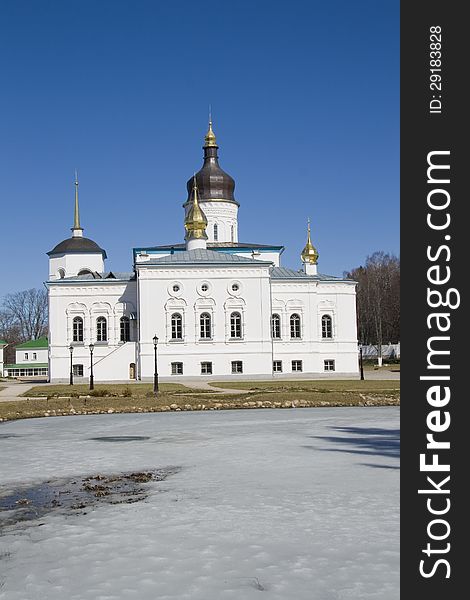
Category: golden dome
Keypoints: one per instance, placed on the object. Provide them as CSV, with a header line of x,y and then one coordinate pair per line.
x,y
195,222
309,253
210,137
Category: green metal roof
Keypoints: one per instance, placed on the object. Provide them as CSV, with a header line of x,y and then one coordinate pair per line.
x,y
41,342
27,366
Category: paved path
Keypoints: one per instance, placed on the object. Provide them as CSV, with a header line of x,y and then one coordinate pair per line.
x,y
13,389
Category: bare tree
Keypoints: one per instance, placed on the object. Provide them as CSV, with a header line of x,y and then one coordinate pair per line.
x,y
378,300
23,315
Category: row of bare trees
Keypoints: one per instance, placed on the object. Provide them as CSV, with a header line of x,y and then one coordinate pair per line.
x,y
378,300
23,317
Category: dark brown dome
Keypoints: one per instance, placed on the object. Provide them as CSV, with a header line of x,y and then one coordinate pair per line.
x,y
213,183
77,245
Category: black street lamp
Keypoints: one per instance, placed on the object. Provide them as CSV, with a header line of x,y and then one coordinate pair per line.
x,y
71,365
155,373
92,384
361,365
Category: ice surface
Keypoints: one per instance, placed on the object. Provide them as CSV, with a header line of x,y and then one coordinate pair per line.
x,y
297,504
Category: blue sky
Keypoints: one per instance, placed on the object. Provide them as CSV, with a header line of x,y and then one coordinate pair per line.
x,y
305,104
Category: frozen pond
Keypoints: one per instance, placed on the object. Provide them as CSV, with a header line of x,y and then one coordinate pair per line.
x,y
297,504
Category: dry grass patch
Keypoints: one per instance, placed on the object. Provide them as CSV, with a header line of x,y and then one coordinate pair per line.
x,y
320,386
132,390
164,402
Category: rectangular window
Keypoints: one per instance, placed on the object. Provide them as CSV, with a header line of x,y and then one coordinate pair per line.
x,y
35,356
237,366
206,368
176,368
277,366
329,365
26,356
78,370
296,366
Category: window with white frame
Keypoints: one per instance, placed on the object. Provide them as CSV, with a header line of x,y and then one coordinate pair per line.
x,y
125,329
78,370
329,365
276,327
205,326
101,329
235,326
295,327
176,326
35,356
26,356
326,327
216,232
237,366
296,366
77,329
277,366
206,368
176,368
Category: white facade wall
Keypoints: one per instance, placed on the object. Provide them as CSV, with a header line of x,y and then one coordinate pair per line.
x,y
310,300
1,360
89,300
152,299
31,355
72,264
225,216
158,301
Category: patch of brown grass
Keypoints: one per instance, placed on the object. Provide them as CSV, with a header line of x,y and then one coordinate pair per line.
x,y
27,408
137,390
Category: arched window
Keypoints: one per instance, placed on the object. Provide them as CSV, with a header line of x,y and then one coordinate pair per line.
x,y
101,330
216,232
176,326
326,327
276,327
61,273
235,326
125,329
205,326
77,329
295,329
84,272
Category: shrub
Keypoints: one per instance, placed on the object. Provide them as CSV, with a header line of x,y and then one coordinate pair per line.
x,y
99,393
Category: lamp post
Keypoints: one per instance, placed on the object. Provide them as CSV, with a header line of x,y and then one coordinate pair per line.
x,y
361,366
92,384
71,365
155,372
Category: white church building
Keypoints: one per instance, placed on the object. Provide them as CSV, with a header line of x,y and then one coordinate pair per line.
x,y
209,307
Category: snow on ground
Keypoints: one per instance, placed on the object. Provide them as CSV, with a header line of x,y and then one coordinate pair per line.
x,y
297,504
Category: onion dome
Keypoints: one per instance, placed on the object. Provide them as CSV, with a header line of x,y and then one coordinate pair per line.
x,y
213,183
195,222
309,253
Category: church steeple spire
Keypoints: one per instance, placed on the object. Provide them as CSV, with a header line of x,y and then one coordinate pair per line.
x,y
77,230
195,222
